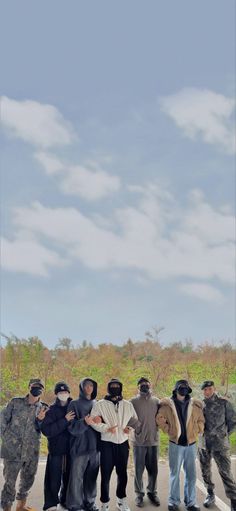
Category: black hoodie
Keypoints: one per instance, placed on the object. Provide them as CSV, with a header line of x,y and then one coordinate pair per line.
x,y
84,439
109,396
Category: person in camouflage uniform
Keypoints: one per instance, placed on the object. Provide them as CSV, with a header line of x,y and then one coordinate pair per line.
x,y
220,421
20,435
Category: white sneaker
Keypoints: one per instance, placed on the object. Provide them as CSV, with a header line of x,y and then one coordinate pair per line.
x,y
60,507
122,504
105,506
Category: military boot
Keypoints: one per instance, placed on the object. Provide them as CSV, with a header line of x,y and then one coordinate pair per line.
x,y
21,506
210,499
7,508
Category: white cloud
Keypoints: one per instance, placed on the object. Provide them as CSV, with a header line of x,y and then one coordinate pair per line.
x,y
39,124
213,227
49,162
155,242
204,292
28,256
203,113
89,184
78,180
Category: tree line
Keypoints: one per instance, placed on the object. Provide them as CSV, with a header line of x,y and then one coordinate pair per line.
x,y
22,359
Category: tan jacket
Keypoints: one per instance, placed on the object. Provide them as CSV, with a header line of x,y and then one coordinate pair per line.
x,y
167,419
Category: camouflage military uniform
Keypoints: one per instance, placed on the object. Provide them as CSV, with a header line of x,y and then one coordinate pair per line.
x,y
20,447
220,421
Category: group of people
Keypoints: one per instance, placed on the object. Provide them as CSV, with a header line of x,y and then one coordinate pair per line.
x,y
85,434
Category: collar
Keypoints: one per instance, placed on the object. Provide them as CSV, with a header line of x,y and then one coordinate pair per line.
x,y
145,395
26,399
210,399
114,401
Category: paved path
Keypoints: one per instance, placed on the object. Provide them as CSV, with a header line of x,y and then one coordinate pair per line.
x,y
36,496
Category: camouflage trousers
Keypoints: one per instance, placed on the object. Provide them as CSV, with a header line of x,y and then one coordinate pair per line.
x,y
11,469
222,459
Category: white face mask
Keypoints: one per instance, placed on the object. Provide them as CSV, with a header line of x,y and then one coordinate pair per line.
x,y
63,396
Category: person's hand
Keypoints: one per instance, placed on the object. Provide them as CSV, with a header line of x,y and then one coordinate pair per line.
x,y
42,413
112,429
70,416
126,430
97,419
89,420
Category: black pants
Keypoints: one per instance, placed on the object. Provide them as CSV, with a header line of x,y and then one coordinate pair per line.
x,y
56,480
114,455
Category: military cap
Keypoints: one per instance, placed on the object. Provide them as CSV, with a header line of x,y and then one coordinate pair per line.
x,y
207,383
36,381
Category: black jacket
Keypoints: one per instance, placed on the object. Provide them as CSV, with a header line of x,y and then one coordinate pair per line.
x,y
55,428
83,437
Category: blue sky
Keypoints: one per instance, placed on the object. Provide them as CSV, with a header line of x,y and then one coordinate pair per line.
x,y
118,170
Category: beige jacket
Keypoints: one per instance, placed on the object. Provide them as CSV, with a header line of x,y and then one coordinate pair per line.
x,y
167,419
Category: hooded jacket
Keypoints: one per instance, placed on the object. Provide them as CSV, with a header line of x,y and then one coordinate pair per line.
x,y
55,427
118,413
167,419
84,439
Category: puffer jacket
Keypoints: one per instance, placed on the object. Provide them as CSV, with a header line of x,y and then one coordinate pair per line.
x,y
167,419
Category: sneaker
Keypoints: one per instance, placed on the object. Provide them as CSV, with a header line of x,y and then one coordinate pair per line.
x,y
139,501
122,504
194,507
209,500
105,506
173,507
154,499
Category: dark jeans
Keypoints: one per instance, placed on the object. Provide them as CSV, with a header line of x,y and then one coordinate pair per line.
x,y
145,457
114,455
56,480
82,487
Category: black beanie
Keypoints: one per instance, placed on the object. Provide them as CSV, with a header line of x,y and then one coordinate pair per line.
x,y
61,386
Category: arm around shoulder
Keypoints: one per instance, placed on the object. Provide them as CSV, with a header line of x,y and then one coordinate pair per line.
x,y
161,420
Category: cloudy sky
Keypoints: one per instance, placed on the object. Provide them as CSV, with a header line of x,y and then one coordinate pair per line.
x,y
118,161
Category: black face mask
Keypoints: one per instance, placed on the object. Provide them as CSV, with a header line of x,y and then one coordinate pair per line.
x,y
144,388
114,391
36,391
183,391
